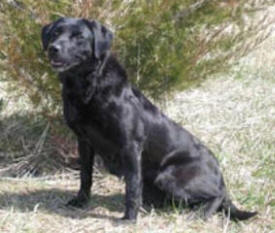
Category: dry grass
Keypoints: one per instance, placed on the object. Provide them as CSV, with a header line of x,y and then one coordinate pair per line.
x,y
234,115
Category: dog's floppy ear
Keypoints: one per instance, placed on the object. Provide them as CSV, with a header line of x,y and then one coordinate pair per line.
x,y
103,37
46,35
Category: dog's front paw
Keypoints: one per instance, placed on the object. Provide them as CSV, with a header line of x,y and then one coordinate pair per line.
x,y
78,202
130,216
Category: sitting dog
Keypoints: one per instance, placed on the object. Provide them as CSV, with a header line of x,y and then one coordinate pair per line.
x,y
110,117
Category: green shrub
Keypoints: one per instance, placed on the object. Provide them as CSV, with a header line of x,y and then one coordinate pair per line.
x,y
165,45
169,45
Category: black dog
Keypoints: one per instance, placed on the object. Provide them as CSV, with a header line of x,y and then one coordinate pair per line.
x,y
158,158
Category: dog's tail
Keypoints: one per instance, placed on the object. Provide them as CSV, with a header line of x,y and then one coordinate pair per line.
x,y
234,213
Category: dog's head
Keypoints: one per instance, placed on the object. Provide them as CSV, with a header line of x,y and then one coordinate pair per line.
x,y
71,41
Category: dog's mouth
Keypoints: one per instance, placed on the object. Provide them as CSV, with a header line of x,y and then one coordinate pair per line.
x,y
61,65
57,63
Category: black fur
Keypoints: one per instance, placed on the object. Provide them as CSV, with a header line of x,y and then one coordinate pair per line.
x,y
112,118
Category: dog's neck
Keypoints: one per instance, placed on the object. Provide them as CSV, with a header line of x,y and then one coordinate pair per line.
x,y
83,81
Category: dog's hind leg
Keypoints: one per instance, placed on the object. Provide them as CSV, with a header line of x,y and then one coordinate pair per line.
x,y
152,195
212,206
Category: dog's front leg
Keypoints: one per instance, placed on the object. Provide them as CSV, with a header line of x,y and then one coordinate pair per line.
x,y
86,154
131,157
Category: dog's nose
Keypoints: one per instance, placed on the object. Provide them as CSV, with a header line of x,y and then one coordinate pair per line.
x,y
54,49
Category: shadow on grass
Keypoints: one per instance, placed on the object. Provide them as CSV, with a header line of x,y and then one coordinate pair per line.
x,y
33,145
54,201
23,138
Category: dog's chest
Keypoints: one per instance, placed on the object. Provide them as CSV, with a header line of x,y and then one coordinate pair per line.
x,y
94,123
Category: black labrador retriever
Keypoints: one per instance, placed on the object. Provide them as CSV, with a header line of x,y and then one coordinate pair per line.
x,y
157,157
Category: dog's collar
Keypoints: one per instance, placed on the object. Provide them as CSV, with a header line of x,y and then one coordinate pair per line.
x,y
101,65
93,81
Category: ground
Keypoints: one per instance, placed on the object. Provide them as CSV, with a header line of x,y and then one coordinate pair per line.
x,y
234,115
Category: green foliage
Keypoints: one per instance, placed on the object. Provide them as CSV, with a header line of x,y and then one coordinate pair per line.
x,y
164,45
25,65
169,45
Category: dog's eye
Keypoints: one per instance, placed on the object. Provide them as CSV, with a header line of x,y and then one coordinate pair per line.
x,y
77,35
56,33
